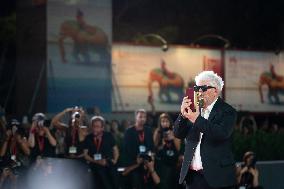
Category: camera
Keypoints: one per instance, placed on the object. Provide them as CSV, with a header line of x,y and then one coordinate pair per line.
x,y
146,156
250,159
12,168
13,122
165,131
14,126
40,119
166,134
252,162
76,115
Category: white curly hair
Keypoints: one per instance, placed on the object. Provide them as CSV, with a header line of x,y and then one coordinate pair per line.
x,y
213,79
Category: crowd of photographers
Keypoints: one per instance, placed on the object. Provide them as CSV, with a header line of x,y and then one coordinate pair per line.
x,y
114,156
136,156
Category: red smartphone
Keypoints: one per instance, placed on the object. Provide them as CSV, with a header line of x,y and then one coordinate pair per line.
x,y
190,94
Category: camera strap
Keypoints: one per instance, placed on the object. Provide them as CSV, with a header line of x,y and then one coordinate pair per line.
x,y
74,134
141,137
40,141
98,142
13,149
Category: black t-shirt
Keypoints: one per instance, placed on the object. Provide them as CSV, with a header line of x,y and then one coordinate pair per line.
x,y
105,148
132,141
72,139
147,180
246,179
42,148
16,151
168,155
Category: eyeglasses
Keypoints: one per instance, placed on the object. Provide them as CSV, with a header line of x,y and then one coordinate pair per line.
x,y
202,87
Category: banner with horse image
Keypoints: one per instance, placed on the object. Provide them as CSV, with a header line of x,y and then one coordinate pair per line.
x,y
79,54
254,81
147,77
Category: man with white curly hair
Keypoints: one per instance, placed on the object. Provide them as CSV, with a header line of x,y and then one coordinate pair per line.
x,y
208,159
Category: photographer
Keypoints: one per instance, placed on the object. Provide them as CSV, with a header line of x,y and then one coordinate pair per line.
x,y
247,173
150,179
102,153
70,136
167,151
15,149
41,141
138,140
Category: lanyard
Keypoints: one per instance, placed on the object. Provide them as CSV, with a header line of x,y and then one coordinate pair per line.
x,y
98,142
141,136
169,144
13,149
74,133
40,140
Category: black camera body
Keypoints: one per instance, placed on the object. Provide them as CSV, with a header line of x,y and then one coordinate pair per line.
x,y
252,162
165,131
145,156
13,122
76,115
40,119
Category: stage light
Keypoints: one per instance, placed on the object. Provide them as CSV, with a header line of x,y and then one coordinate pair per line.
x,y
226,42
164,45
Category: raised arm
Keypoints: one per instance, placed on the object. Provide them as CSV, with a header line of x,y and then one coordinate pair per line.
x,y
56,119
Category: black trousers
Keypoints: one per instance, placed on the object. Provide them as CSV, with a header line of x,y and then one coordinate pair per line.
x,y
196,180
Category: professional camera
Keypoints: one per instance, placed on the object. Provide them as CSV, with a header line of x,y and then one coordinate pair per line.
x,y
165,131
252,162
12,168
76,115
40,119
166,134
13,122
249,159
146,156
13,126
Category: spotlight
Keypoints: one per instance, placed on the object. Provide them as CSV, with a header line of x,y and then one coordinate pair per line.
x,y
165,48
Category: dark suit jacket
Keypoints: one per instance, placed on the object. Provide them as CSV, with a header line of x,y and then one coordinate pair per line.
x,y
215,149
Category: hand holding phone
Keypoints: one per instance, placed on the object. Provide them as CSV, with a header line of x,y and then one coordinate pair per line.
x,y
190,94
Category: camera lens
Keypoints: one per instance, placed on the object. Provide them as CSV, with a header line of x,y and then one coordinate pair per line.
x,y
77,115
40,123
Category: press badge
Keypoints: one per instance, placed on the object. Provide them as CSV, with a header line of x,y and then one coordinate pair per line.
x,y
97,156
72,150
170,153
13,157
142,149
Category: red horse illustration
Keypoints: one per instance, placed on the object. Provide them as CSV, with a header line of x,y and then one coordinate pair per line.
x,y
169,82
86,39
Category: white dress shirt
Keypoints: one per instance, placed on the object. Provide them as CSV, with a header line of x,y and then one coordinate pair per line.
x,y
196,163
